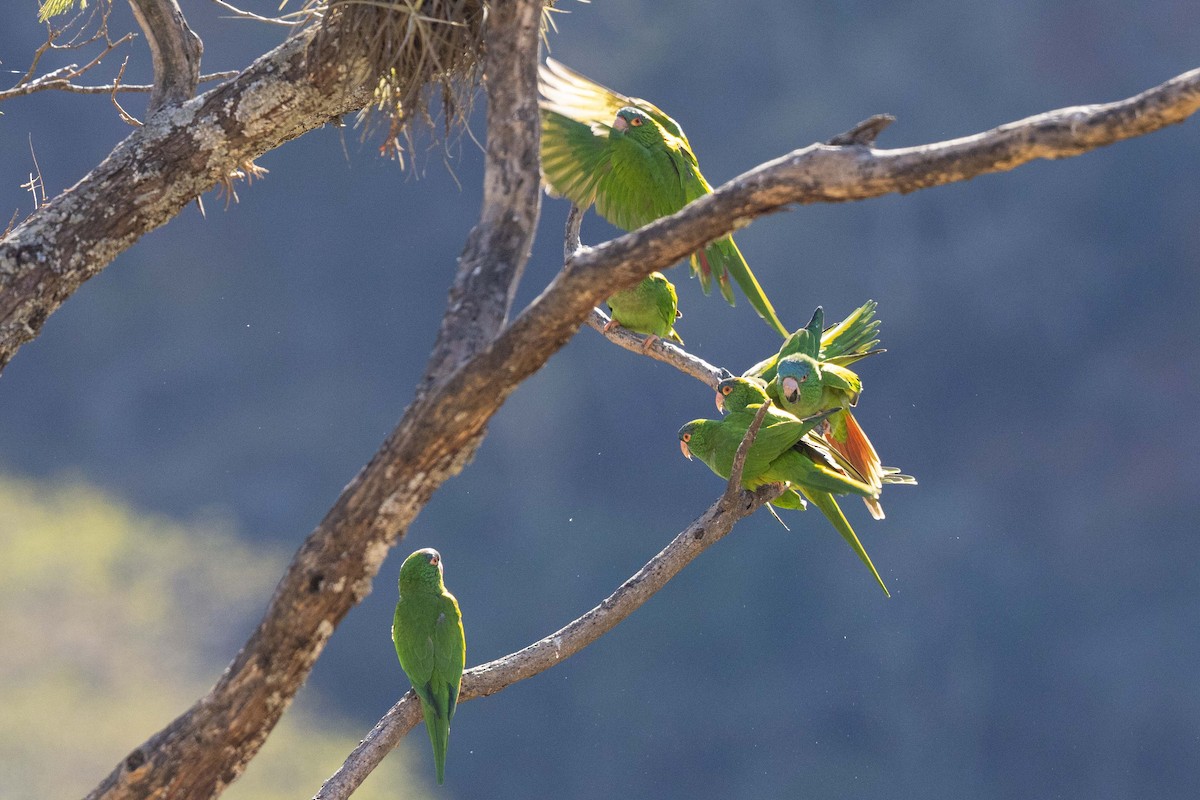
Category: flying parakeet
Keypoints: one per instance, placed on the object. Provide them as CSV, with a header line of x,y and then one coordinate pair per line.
x,y
634,163
651,308
428,633
800,466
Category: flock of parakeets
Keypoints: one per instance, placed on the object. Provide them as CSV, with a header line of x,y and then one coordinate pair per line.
x,y
809,439
633,163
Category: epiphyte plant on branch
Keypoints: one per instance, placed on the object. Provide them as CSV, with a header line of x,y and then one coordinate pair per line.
x,y
634,163
428,633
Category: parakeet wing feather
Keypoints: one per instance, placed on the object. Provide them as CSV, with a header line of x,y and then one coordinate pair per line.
x,y
853,336
575,96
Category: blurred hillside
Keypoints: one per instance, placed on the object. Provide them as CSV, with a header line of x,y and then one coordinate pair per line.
x,y
114,622
1040,381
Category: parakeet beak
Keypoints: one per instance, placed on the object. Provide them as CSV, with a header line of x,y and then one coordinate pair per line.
x,y
620,124
683,448
720,402
791,389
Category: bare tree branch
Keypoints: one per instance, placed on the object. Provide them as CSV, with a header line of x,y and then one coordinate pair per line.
x,y
334,568
661,350
76,38
157,170
498,246
45,84
80,243
151,175
174,49
487,679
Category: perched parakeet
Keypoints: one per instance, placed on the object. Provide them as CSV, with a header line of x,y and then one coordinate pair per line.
x,y
651,308
800,466
633,162
736,394
805,386
843,344
428,633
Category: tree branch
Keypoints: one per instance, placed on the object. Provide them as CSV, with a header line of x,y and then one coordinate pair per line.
x,y
661,350
160,168
46,84
492,677
76,235
334,568
174,49
498,246
151,175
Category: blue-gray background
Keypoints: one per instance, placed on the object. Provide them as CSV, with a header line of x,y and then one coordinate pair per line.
x,y
1040,381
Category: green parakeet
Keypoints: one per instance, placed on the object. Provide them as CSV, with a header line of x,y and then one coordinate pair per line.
x,y
736,394
800,466
651,308
428,633
633,162
843,344
805,386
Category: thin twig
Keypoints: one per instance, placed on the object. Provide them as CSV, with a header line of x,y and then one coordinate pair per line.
x,y
489,678
125,115
660,350
290,20
739,458
64,85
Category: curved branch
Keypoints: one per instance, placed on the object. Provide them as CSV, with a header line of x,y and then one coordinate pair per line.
x,y
175,51
661,350
158,170
152,175
208,746
487,679
440,430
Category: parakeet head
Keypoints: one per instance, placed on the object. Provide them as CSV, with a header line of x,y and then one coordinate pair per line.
x,y
735,394
798,381
695,439
636,125
423,567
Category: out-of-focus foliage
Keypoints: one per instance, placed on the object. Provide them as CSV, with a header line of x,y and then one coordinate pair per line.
x,y
112,623
52,8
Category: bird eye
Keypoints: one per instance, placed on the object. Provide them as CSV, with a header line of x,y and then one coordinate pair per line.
x,y
433,561
727,390
636,122
687,437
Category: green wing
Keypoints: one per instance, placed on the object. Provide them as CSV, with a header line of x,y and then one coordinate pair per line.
x,y
631,185
412,633
449,649
852,338
573,95
667,302
843,380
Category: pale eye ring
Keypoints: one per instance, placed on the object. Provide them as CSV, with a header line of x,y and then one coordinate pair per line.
x,y
636,122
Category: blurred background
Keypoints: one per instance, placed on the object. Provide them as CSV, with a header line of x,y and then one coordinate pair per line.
x,y
188,416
